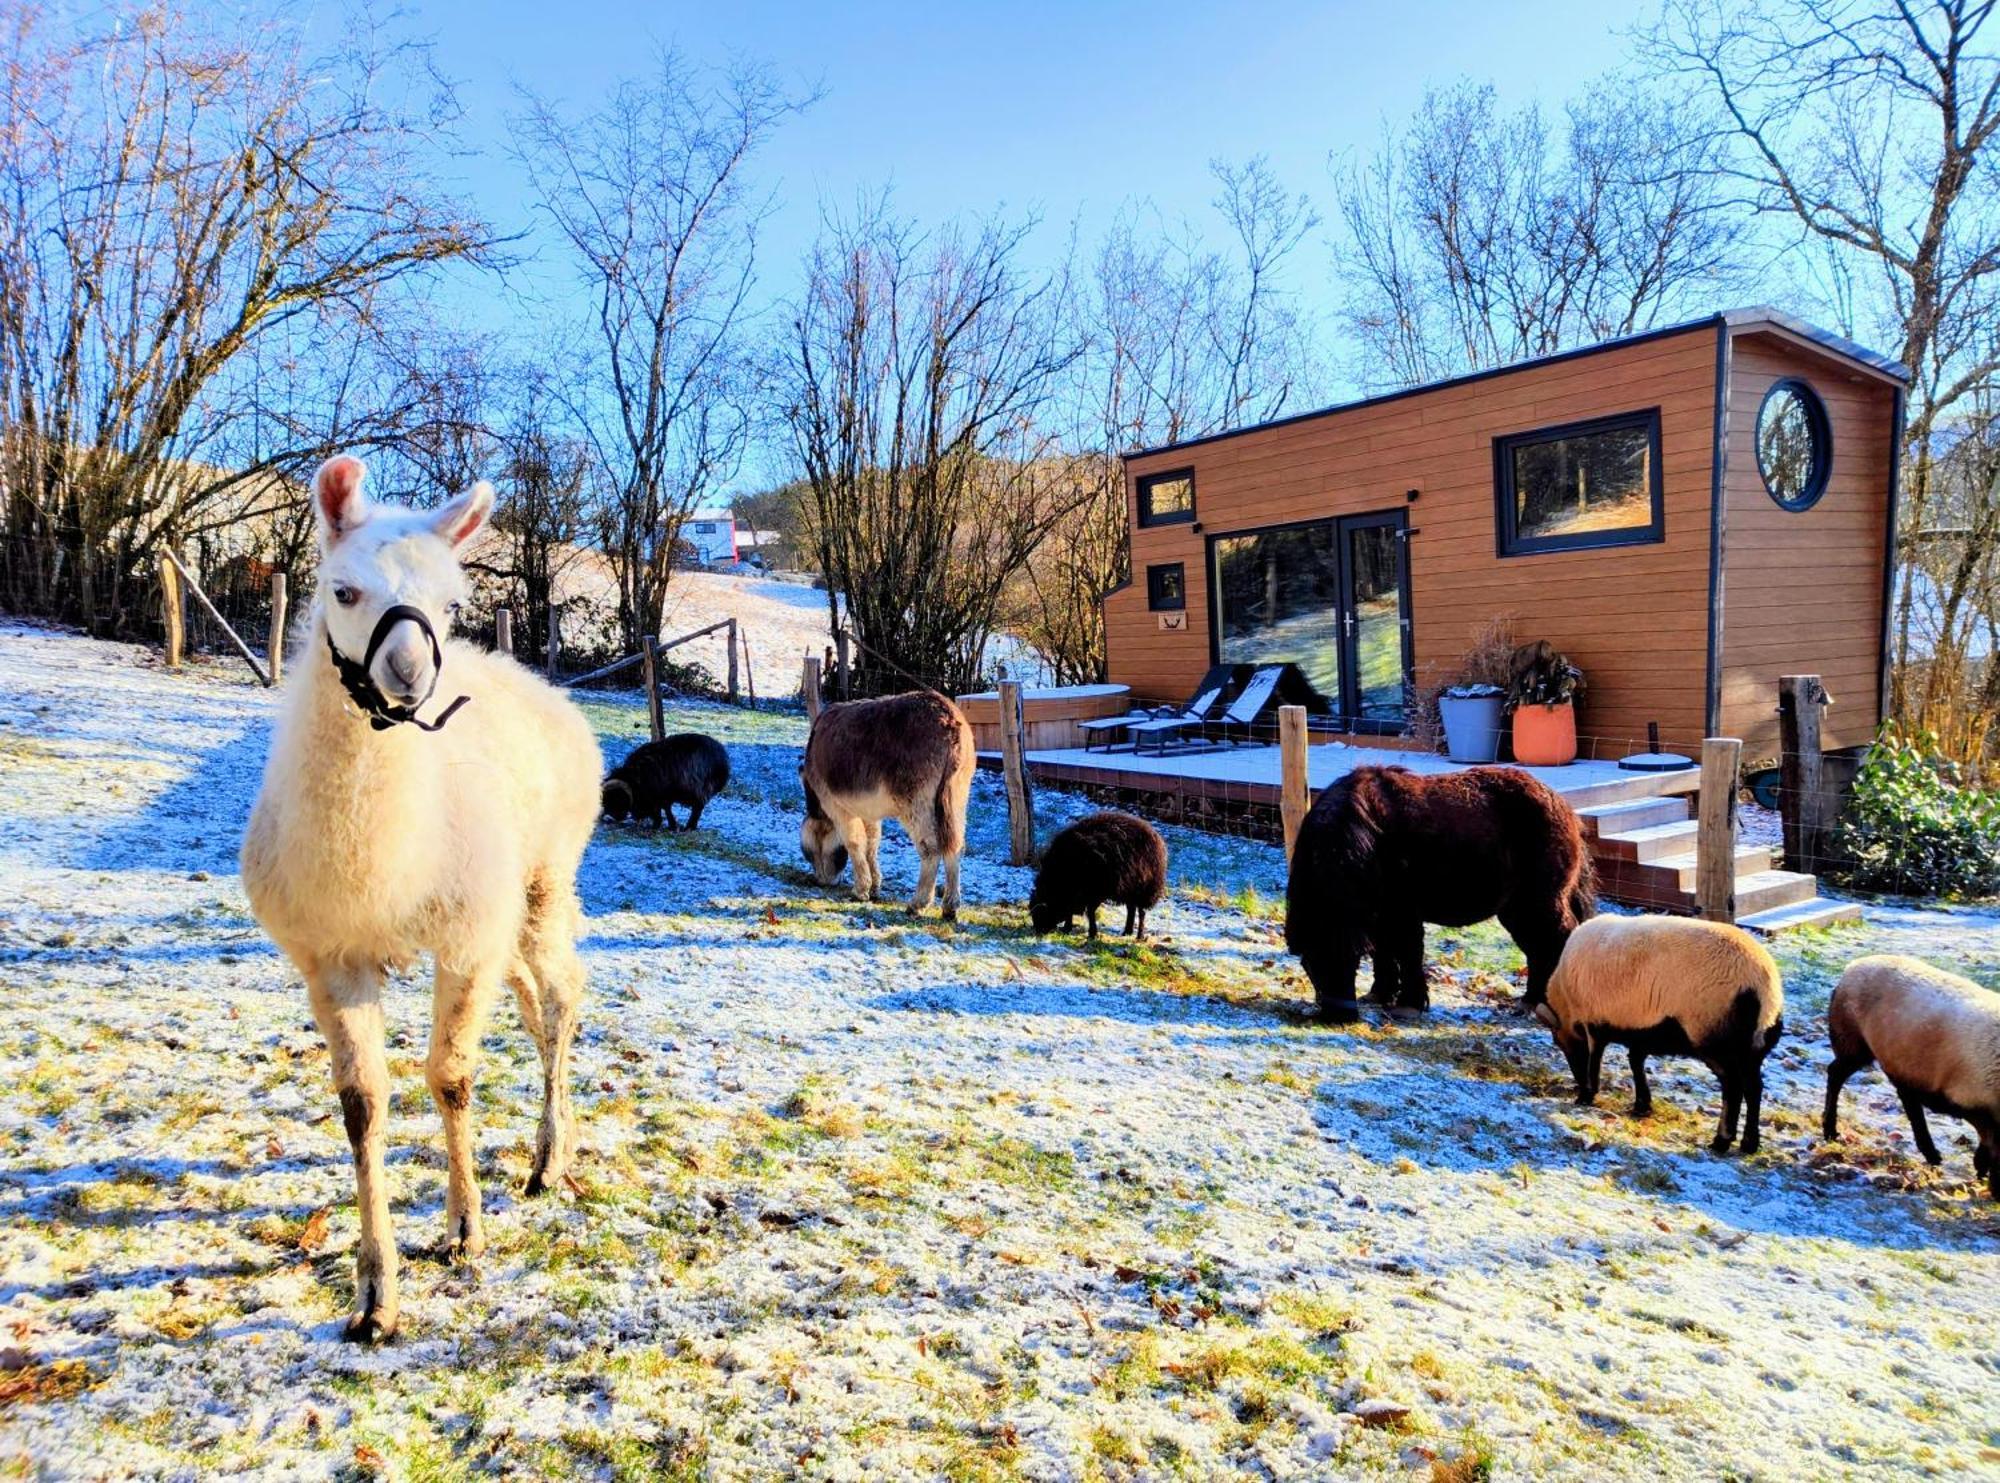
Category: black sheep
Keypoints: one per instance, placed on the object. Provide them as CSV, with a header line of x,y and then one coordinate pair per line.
x,y
688,769
1105,857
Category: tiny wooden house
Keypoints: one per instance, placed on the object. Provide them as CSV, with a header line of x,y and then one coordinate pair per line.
x,y
1687,513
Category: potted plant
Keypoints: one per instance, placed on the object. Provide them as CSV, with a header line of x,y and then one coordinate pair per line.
x,y
1466,707
1542,696
1473,717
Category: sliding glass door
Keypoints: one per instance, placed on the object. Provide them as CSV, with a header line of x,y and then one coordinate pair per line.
x,y
1330,596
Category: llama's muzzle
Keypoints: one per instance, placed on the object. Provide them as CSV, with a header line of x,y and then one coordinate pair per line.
x,y
406,661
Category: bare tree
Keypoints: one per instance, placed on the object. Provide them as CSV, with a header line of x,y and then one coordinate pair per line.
x,y
1867,131
183,213
649,196
920,383
1475,238
1185,339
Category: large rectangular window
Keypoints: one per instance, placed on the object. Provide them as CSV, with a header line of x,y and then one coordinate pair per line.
x,y
1166,499
1277,599
1582,485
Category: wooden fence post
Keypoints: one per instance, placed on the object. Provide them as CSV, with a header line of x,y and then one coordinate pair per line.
x,y
809,688
1014,764
735,691
279,602
174,610
749,673
555,639
1715,836
235,638
1801,796
840,671
1295,797
651,673
503,631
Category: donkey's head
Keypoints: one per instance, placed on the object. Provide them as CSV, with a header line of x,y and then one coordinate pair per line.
x,y
380,567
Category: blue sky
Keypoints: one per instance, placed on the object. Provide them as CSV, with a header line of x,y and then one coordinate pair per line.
x,y
1064,108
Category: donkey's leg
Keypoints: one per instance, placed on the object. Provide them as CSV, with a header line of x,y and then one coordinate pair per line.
x,y
347,1003
458,1010
862,841
925,839
548,947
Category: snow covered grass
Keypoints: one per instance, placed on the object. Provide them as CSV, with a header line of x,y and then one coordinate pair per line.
x,y
863,1195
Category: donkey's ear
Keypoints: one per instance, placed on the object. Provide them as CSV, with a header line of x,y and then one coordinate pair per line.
x,y
459,521
337,497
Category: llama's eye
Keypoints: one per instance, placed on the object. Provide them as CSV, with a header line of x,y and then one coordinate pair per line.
x,y
346,596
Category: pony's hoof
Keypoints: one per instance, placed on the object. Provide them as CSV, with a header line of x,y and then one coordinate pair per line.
x,y
1750,1146
1718,1145
1344,1012
372,1327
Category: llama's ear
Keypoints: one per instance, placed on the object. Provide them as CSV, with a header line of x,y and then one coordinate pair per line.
x,y
460,520
337,497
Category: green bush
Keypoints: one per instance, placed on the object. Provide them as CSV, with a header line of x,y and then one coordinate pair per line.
x,y
1911,828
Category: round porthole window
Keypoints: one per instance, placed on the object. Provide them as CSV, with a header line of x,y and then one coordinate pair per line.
x,y
1794,445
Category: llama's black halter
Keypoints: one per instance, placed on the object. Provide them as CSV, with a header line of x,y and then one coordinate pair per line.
x,y
363,690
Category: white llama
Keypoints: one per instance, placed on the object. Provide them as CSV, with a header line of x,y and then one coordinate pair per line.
x,y
374,841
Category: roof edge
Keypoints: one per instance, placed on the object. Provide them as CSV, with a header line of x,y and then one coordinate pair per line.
x,y
1733,319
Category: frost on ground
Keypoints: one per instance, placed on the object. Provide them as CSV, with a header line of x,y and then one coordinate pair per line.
x,y
867,1196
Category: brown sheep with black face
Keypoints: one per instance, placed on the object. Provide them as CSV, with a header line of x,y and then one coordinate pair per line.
x,y
1105,857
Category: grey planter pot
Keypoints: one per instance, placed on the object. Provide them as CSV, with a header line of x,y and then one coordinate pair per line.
x,y
1472,727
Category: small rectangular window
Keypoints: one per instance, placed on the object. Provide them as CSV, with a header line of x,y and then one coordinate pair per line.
x,y
1166,587
1580,486
1166,499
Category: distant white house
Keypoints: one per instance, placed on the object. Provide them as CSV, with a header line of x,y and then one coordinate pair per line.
x,y
712,533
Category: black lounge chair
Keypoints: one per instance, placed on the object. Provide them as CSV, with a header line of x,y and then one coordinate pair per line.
x,y
1162,720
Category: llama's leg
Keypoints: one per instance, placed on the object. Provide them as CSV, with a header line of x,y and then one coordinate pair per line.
x,y
458,1010
549,948
347,1003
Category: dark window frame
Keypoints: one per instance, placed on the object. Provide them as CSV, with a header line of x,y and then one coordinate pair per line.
x,y
1156,603
1508,540
1144,492
1821,426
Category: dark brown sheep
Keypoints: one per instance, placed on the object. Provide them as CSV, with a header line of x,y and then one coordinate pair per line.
x,y
1105,857
1385,850
688,769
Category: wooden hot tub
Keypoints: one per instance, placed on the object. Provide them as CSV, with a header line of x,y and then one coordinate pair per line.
x,y
1050,716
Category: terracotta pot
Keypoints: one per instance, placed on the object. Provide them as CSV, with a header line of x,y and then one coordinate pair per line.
x,y
1545,735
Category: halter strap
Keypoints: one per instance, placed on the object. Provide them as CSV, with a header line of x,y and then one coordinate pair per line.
x,y
365,693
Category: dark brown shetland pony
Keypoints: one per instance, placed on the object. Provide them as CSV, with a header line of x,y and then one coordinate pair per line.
x,y
1386,850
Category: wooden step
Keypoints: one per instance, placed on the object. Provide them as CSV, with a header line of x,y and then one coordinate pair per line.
x,y
1751,860
1769,889
1640,813
1649,842
1816,912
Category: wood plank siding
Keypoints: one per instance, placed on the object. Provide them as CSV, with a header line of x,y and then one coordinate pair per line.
x,y
1802,590
1799,591
1635,617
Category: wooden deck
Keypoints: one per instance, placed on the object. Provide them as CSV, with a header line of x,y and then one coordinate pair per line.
x,y
1639,826
1249,775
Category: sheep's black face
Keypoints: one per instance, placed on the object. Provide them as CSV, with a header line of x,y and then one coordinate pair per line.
x,y
1042,913
617,800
